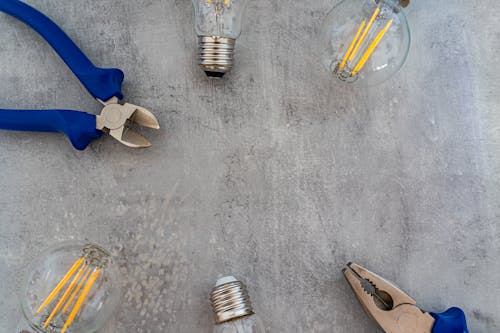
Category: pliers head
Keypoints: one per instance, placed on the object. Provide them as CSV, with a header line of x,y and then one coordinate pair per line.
x,y
116,119
391,308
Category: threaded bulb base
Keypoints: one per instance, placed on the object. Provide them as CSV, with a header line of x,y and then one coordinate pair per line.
x,y
216,54
230,300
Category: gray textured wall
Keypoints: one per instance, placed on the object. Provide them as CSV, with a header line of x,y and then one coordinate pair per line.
x,y
274,174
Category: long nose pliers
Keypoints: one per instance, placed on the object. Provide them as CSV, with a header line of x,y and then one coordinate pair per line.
x,y
104,84
396,312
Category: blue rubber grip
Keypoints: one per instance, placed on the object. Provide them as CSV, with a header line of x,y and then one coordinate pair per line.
x,y
102,83
79,127
450,321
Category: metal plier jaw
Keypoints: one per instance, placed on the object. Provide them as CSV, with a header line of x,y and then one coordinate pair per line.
x,y
391,308
116,119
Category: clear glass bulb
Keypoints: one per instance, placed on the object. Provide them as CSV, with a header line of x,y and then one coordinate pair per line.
x,y
364,41
47,271
218,25
248,324
220,18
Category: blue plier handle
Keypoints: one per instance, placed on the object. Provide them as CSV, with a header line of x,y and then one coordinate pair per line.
x,y
104,84
451,321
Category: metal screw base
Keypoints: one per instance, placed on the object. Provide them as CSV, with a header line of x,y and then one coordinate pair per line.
x,y
216,54
230,300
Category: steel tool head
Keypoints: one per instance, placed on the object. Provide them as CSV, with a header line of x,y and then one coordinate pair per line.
x,y
391,308
116,119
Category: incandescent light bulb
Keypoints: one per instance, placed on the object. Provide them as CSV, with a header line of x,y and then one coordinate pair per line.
x,y
365,41
232,307
71,288
218,24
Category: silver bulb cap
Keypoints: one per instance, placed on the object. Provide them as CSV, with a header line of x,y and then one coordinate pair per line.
x,y
230,300
216,54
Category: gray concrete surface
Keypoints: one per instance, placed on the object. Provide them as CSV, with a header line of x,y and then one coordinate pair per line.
x,y
273,174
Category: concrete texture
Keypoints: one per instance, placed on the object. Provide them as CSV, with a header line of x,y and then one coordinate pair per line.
x,y
273,174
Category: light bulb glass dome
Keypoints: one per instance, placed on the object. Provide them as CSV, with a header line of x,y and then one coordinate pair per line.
x,y
248,324
364,42
45,273
221,18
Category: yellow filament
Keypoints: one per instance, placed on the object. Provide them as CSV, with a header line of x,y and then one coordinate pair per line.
x,y
370,49
365,32
64,296
349,50
81,298
60,284
225,1
75,292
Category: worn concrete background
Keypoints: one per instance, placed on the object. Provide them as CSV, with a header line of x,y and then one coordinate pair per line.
x,y
273,174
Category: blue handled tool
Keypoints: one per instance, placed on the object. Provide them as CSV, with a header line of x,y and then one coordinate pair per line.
x,y
396,312
104,84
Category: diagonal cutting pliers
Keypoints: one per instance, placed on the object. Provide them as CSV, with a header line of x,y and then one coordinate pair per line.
x,y
396,312
104,84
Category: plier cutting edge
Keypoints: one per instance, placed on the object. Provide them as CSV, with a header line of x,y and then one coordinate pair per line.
x,y
396,312
104,84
